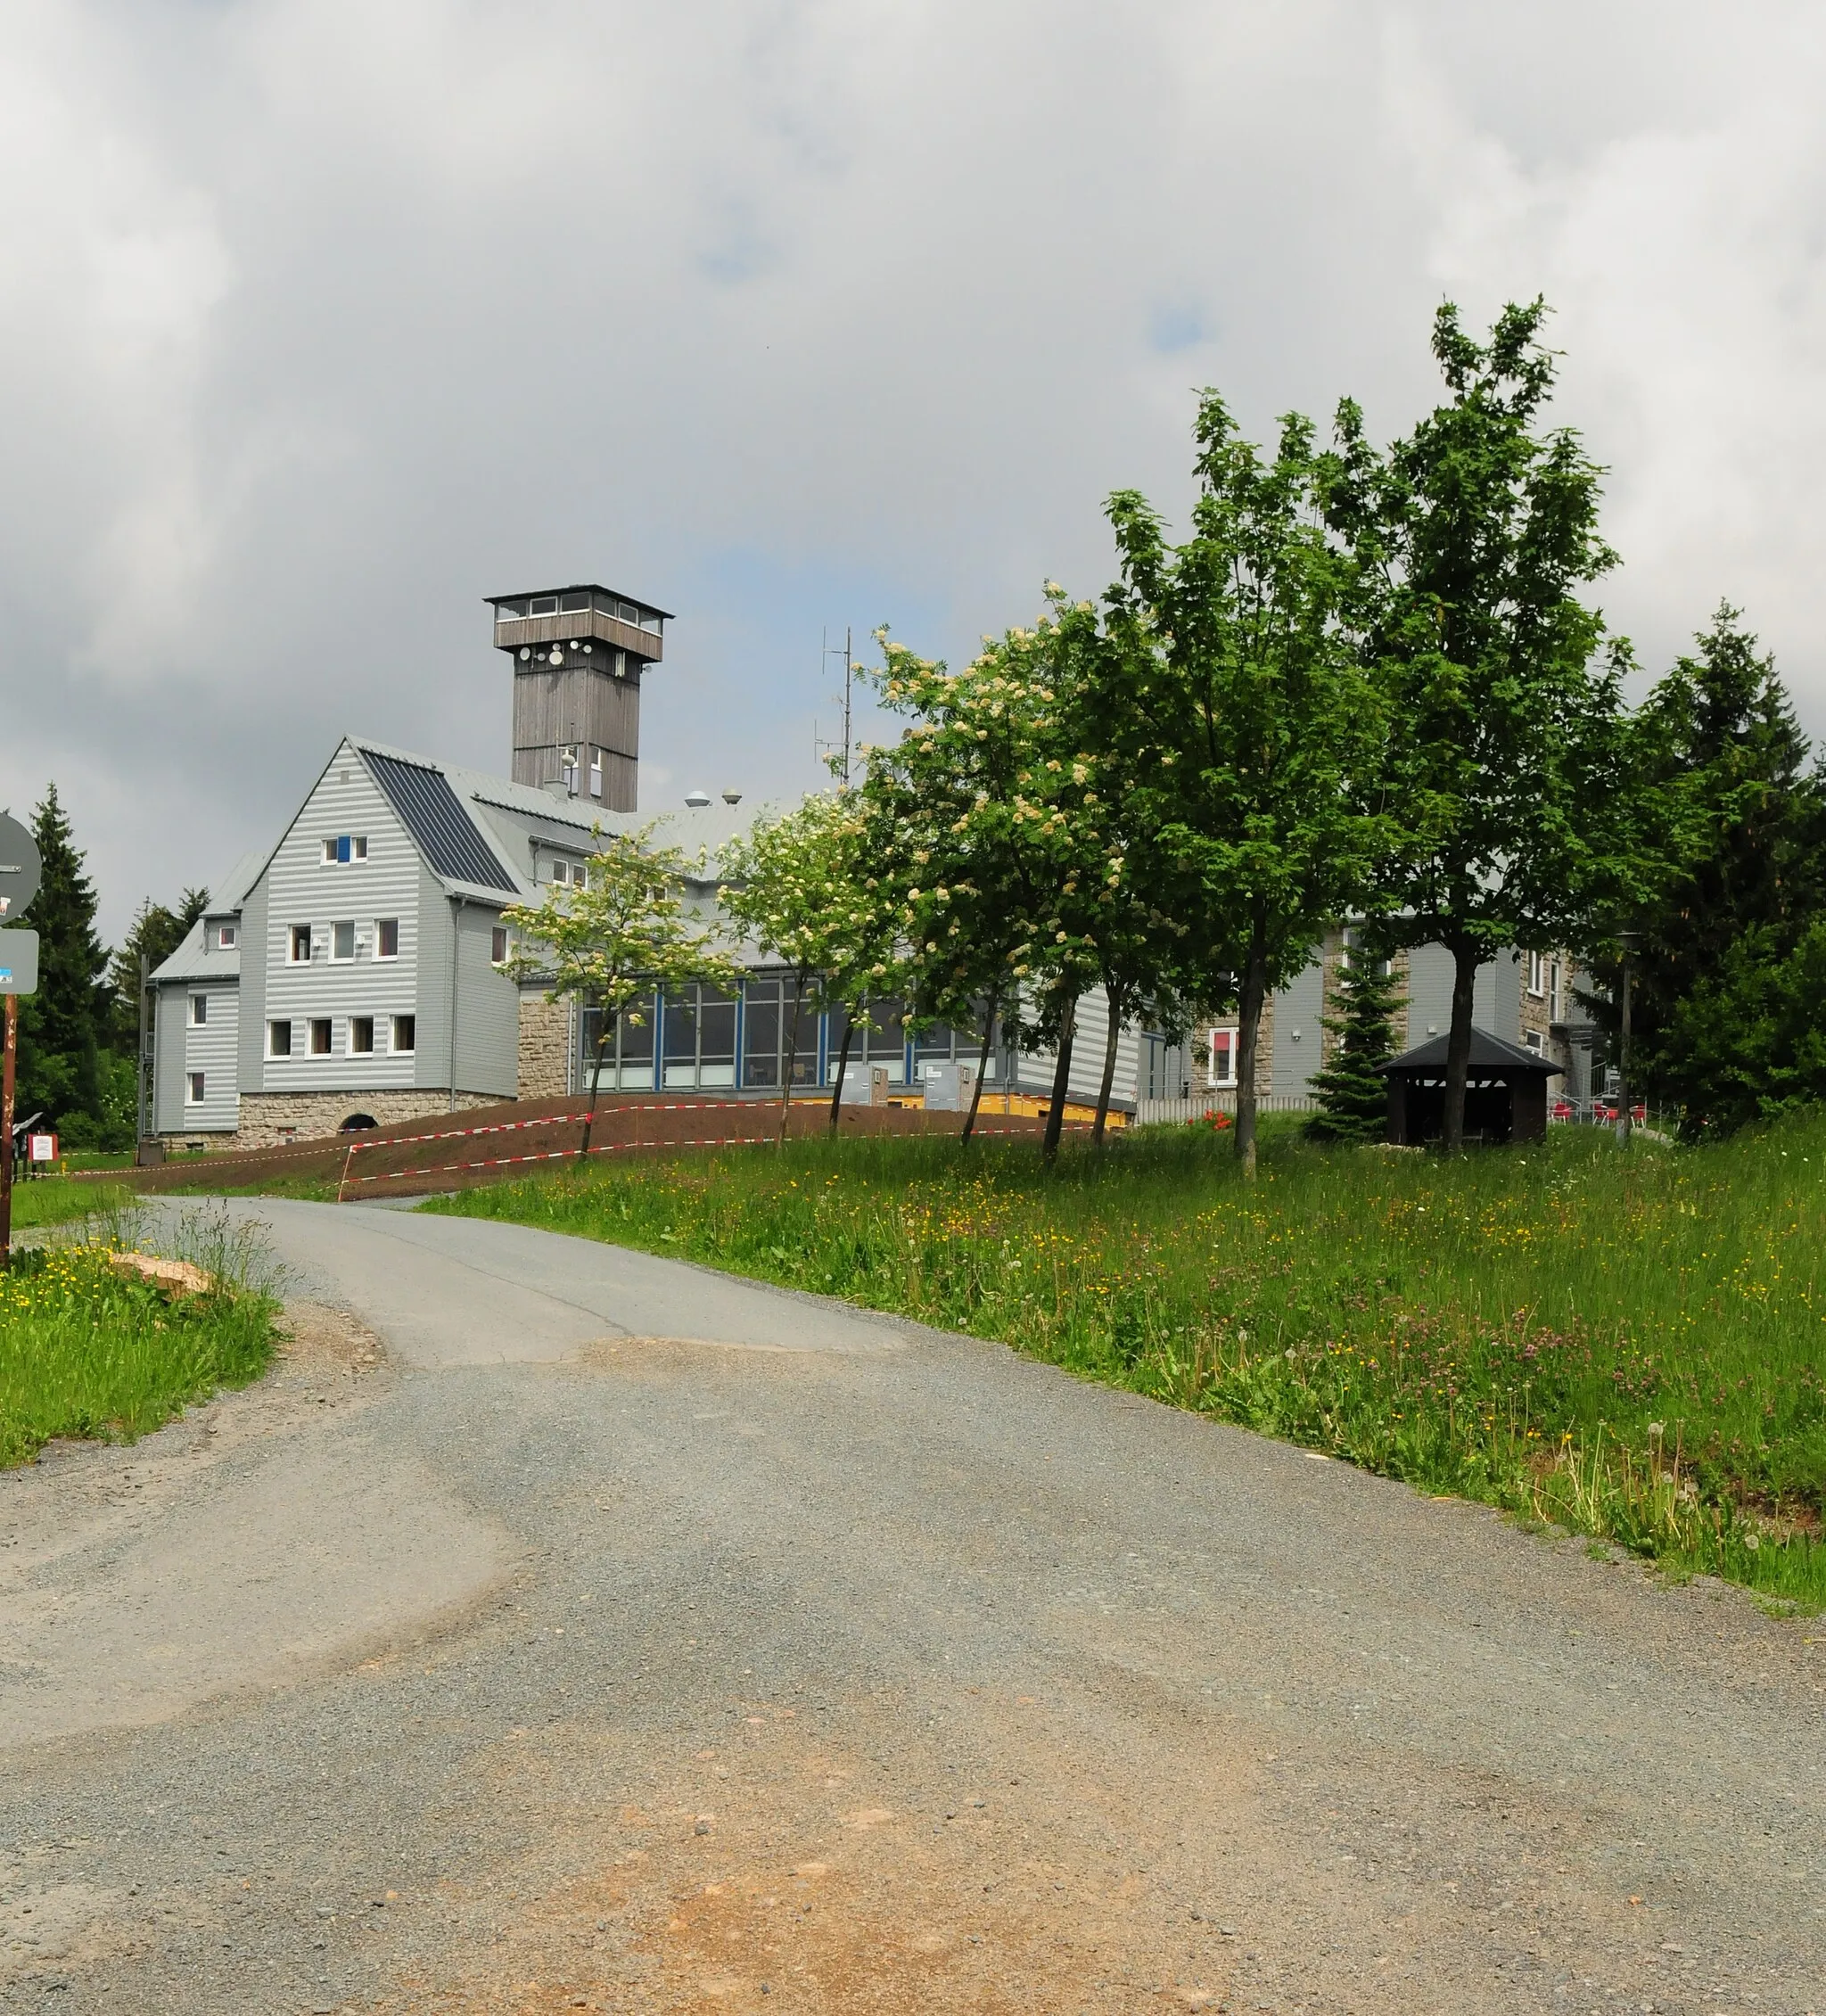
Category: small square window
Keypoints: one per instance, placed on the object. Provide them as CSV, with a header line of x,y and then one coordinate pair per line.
x,y
300,953
225,937
342,940
346,847
199,1010
361,1035
561,871
278,1039
196,1088
405,1034
320,1036
387,938
498,949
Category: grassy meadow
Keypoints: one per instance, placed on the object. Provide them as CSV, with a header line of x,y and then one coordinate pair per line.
x,y
1630,1346
87,1351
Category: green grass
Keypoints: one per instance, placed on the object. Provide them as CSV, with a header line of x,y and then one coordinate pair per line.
x,y
1631,1347
86,1352
58,1200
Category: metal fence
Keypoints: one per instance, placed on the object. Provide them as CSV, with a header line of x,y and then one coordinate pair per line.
x,y
1168,1112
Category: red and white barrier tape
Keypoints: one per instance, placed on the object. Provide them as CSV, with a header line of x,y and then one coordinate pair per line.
x,y
609,1148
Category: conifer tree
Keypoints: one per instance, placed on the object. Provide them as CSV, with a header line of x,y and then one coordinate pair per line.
x,y
1352,1092
60,1027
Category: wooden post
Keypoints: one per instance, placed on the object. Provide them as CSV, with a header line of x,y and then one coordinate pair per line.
x,y
7,1071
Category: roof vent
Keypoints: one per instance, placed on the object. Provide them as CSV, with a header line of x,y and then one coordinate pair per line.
x,y
696,799
732,797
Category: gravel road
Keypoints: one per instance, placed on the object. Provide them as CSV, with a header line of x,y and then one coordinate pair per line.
x,y
559,1628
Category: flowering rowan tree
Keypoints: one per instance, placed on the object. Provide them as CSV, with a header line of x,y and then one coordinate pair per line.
x,y
798,885
1009,862
621,933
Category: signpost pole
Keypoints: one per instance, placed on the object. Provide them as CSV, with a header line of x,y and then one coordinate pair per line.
x,y
6,1075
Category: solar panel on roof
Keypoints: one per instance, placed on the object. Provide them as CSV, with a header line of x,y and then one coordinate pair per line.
x,y
433,815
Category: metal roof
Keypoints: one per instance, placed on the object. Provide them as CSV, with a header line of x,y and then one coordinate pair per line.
x,y
580,587
1488,1053
434,816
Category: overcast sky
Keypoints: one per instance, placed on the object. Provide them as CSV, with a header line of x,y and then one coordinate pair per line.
x,y
322,319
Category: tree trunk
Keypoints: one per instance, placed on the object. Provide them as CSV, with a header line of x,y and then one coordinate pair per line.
x,y
1061,1078
1249,1004
842,1061
982,1068
1110,1038
790,1060
595,1083
1458,1044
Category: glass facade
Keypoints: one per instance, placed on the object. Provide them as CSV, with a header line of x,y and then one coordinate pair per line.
x,y
708,1041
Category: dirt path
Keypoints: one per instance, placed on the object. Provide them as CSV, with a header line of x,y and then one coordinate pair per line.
x,y
628,1638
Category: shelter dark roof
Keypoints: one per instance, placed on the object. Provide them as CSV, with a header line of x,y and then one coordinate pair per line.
x,y
1488,1054
434,816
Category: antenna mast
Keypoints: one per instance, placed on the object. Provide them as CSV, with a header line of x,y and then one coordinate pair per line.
x,y
828,650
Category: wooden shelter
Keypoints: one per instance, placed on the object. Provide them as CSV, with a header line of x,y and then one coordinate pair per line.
x,y
1505,1092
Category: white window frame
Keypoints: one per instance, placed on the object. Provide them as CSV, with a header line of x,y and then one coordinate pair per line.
x,y
352,1047
357,848
1537,977
342,925
226,935
296,934
394,1047
1230,1049
328,1026
1535,1041
284,1022
1553,986
199,1011
500,946
194,1087
381,923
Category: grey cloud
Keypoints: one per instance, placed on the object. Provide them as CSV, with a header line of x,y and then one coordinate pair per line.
x,y
320,322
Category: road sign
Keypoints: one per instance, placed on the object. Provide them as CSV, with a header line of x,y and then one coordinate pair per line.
x,y
20,868
18,962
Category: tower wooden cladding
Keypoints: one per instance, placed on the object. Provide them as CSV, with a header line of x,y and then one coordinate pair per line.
x,y
578,655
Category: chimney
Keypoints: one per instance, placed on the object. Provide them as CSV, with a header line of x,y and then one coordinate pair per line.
x,y
578,655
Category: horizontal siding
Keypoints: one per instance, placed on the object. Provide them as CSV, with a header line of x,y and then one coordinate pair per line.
x,y
1299,1038
302,888
212,1048
1036,1068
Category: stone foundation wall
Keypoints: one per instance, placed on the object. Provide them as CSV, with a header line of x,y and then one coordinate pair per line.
x,y
544,1047
268,1119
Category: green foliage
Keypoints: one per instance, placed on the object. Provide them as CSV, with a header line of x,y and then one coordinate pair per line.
x,y
156,933
1002,835
1352,1092
1249,740
798,885
621,934
61,1027
1508,757
86,1351
1727,1013
1629,1346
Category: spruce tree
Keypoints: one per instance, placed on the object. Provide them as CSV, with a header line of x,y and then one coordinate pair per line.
x,y
1353,1094
60,1027
156,932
